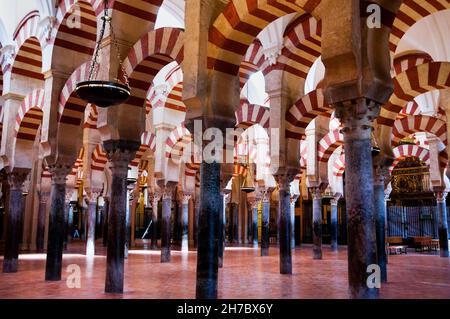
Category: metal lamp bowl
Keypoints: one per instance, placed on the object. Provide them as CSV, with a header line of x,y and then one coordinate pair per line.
x,y
103,93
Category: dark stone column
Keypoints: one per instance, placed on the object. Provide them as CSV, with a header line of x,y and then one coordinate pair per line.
x,y
234,222
255,224
185,221
356,117
334,223
119,153
208,235
57,226
221,241
69,193
155,197
165,221
16,179
317,222
92,213
105,221
42,214
265,231
284,208
292,207
380,216
196,215
443,224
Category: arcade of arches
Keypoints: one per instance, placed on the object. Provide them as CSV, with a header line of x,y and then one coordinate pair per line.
x,y
338,175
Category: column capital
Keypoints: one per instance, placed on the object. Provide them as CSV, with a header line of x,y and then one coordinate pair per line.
x,y
93,195
294,199
316,192
120,153
167,190
43,196
284,181
440,196
184,197
357,116
266,194
59,172
17,178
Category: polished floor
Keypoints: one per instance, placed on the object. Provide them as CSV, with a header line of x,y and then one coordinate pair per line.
x,y
245,275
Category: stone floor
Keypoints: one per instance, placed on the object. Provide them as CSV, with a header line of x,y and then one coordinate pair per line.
x,y
245,275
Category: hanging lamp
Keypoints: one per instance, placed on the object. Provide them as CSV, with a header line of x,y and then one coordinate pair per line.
x,y
375,148
98,92
248,184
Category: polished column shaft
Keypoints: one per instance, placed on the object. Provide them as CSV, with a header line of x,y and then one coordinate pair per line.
x,y
40,231
380,223
16,178
209,227
334,224
57,225
165,223
265,231
285,225
443,223
317,223
119,153
255,225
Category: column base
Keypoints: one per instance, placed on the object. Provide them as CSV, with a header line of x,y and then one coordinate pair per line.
x,y
10,265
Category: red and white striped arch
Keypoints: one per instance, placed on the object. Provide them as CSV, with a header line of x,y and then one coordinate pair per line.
x,y
252,114
147,57
29,116
191,169
148,141
409,13
91,119
239,23
412,83
328,144
174,100
177,141
99,159
252,63
71,37
412,108
407,150
173,78
28,61
302,46
78,165
304,111
419,123
339,165
71,107
408,61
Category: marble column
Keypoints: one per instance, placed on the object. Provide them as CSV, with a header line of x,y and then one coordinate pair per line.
x,y
105,220
42,215
356,117
16,180
57,226
208,235
234,223
265,231
334,223
294,199
255,224
317,222
284,209
443,224
225,198
119,154
380,218
155,197
165,221
92,213
67,200
196,215
185,197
